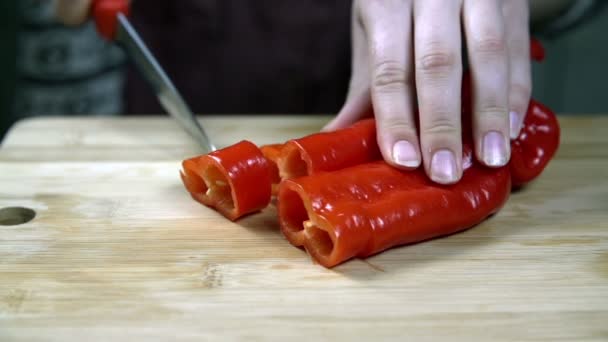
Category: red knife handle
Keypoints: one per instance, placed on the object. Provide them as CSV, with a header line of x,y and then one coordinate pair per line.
x,y
105,13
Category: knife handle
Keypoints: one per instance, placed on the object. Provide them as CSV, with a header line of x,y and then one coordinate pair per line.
x,y
105,13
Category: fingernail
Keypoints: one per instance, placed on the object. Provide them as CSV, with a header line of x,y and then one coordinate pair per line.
x,y
405,154
515,124
443,167
495,150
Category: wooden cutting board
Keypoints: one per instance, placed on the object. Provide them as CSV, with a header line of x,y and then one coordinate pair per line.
x,y
118,250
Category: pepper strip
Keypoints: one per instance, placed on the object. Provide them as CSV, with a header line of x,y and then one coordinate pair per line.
x,y
329,151
236,181
368,208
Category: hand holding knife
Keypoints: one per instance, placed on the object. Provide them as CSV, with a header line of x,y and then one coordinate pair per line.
x,y
111,19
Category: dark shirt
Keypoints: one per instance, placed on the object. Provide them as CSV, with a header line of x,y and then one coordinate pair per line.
x,y
235,56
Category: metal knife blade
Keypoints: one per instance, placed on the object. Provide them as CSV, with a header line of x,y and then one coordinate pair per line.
x,y
167,94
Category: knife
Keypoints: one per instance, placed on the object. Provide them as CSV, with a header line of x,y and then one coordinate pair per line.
x,y
111,20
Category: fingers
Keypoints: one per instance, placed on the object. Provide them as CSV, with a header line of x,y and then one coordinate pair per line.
x,y
358,101
72,12
516,16
383,74
387,26
438,81
487,48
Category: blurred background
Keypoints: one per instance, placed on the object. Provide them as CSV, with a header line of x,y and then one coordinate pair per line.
x,y
286,56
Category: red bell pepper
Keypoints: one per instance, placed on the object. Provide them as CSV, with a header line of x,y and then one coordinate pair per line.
x,y
536,145
235,180
329,151
365,209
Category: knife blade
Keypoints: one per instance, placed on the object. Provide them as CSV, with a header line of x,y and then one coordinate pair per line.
x,y
113,24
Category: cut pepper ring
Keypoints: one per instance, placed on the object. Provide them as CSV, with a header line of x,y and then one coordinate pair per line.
x,y
235,180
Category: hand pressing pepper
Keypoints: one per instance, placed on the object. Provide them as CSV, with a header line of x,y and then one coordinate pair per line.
x,y
329,151
363,210
237,179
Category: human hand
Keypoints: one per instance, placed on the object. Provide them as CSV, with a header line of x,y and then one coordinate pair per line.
x,y
408,52
72,12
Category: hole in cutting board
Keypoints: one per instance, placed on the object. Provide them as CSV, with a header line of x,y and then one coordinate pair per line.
x,y
15,216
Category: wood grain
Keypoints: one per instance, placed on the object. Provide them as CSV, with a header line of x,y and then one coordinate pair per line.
x,y
119,251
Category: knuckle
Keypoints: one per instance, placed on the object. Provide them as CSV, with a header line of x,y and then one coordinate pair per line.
x,y
491,45
441,124
437,61
519,97
492,113
519,90
397,125
492,102
390,76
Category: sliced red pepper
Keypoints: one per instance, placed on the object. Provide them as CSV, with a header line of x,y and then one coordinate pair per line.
x,y
272,153
536,144
329,151
235,180
365,209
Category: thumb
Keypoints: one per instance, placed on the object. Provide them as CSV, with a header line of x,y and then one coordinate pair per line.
x,y
357,106
358,102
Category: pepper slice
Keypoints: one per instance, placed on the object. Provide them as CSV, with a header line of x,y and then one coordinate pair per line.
x,y
365,209
272,153
236,180
326,151
329,151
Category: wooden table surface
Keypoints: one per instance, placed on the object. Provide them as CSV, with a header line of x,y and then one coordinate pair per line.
x,y
118,250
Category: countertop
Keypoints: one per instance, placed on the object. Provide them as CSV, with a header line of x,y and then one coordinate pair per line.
x,y
118,250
